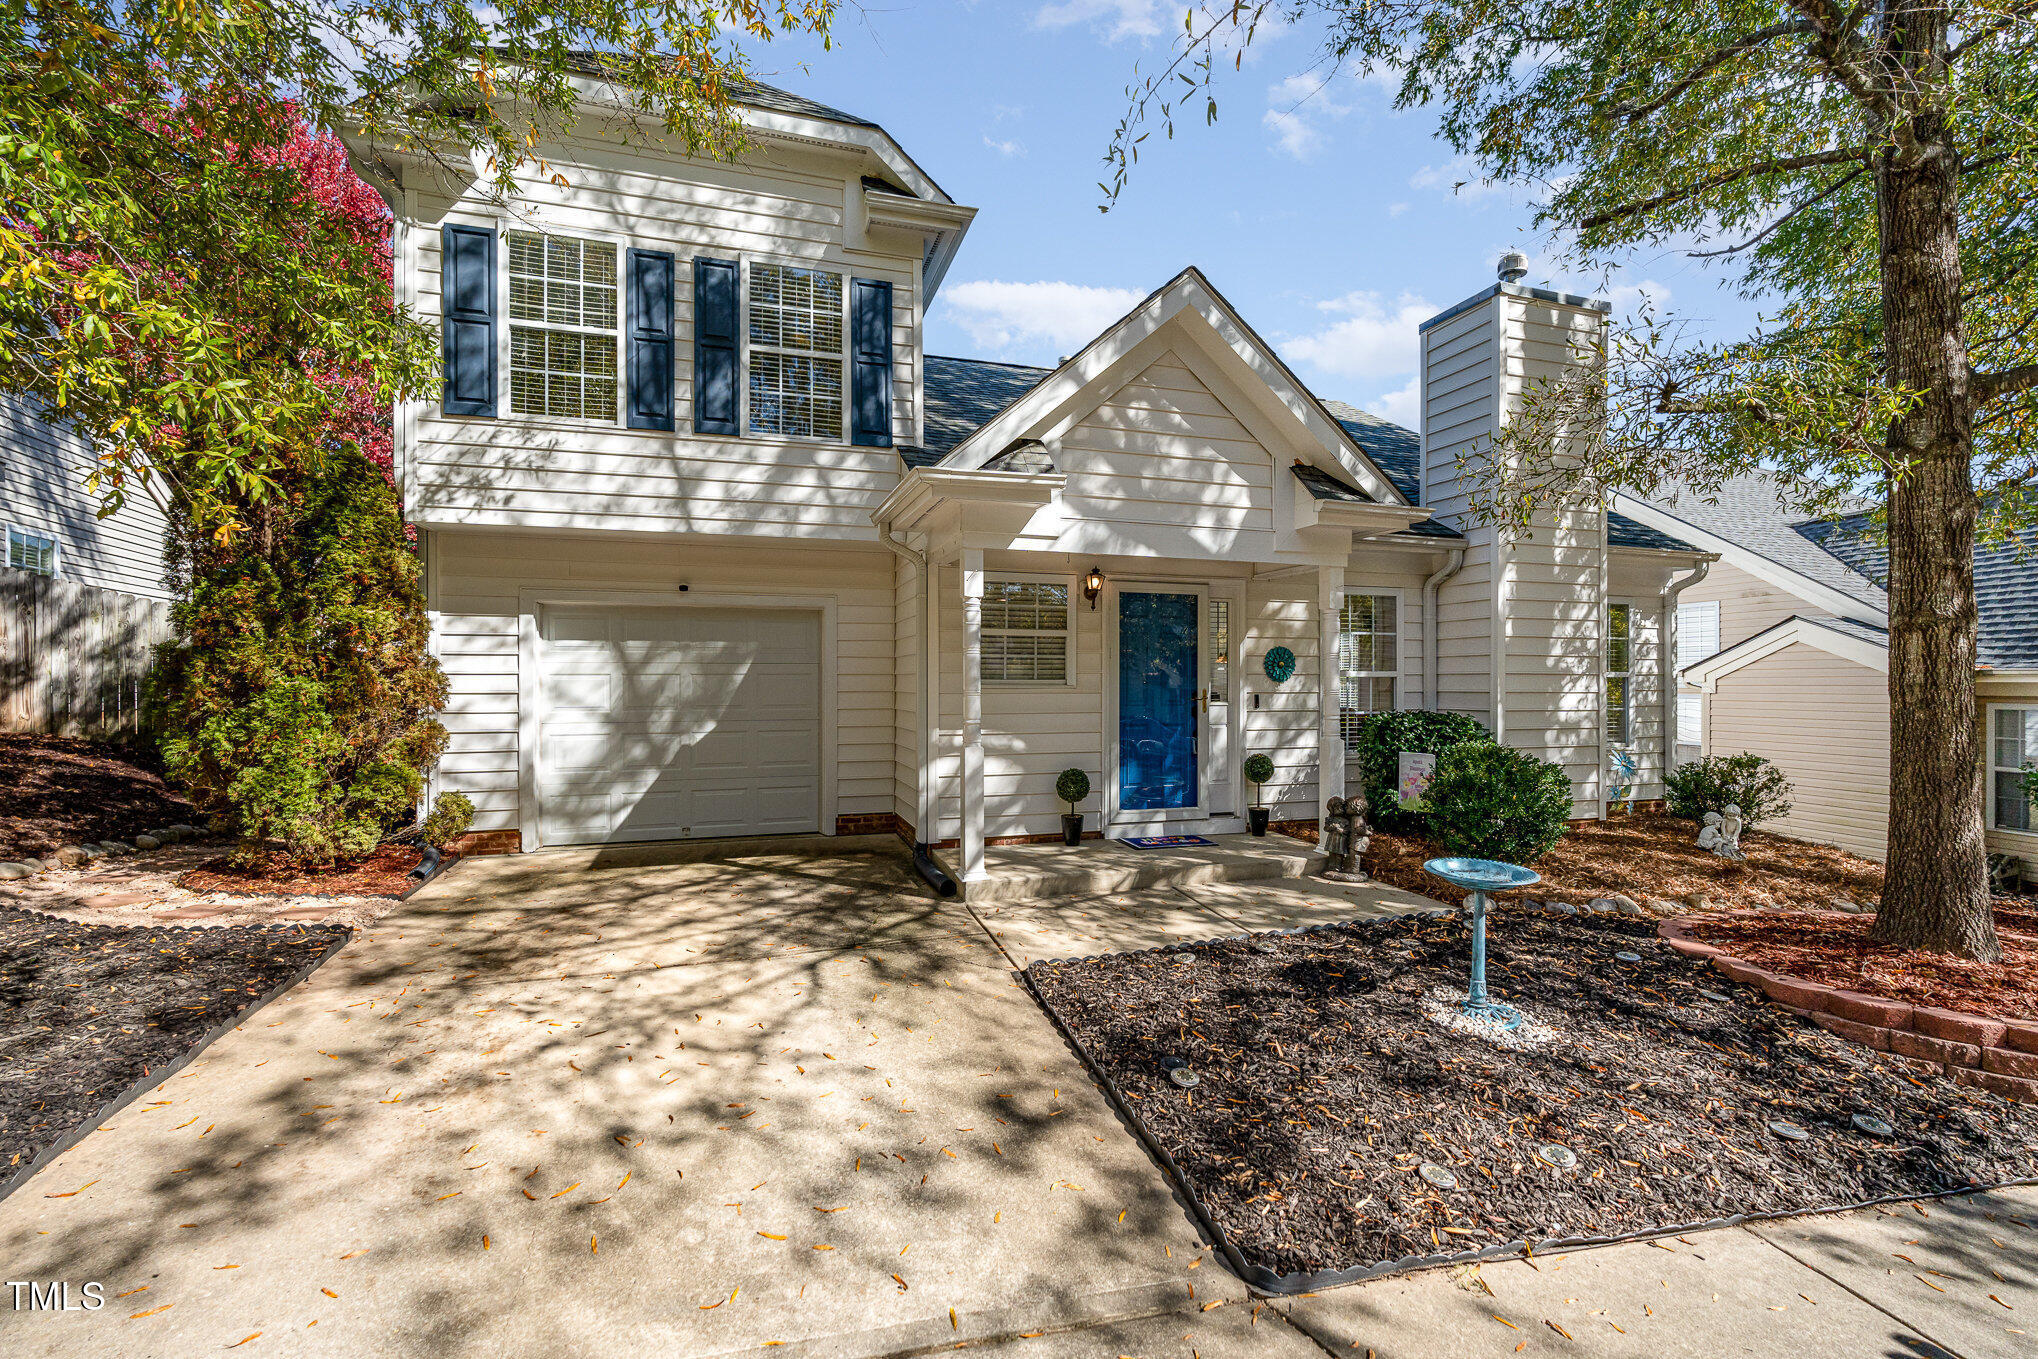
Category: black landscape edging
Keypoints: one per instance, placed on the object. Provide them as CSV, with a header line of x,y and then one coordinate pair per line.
x,y
1266,1281
20,1175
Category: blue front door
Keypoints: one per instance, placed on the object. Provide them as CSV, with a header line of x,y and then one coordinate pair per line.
x,y
1157,692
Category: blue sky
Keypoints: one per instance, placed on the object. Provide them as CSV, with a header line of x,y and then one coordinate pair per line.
x,y
1332,222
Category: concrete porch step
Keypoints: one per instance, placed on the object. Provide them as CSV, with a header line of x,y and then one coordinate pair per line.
x,y
1096,867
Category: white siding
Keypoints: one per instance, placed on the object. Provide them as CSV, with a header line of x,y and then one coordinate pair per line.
x,y
1460,405
1824,721
778,205
1748,604
1285,726
908,622
43,467
477,613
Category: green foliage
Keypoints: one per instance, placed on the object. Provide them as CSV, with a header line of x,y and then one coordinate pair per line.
x,y
1490,801
1381,739
1747,781
169,287
451,815
1257,770
1072,787
295,698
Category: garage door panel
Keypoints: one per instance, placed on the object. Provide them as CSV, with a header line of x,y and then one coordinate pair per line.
x,y
669,723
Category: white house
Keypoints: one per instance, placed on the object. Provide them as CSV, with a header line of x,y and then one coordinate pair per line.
x,y
714,547
1783,649
51,518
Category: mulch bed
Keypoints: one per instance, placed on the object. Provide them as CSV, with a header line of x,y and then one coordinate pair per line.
x,y
1653,854
1324,1088
56,790
385,873
1834,950
88,1010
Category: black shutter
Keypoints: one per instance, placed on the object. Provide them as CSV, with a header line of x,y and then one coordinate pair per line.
x,y
650,365
714,346
870,358
467,343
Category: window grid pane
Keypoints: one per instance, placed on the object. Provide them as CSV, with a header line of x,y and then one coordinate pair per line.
x,y
35,553
563,361
1368,660
2013,750
1025,632
1617,709
796,338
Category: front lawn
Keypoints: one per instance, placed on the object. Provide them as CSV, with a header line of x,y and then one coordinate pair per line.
x,y
1337,1120
1653,856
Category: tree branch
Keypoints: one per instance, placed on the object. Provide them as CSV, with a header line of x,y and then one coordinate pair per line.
x,y
1841,55
1634,113
2007,19
2005,382
1766,232
1774,166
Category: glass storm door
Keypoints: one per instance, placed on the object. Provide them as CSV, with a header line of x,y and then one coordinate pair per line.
x,y
1159,713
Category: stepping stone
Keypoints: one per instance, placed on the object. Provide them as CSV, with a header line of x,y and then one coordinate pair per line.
x,y
304,913
120,899
192,913
10,871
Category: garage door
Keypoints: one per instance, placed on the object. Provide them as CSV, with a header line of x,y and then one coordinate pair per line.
x,y
666,724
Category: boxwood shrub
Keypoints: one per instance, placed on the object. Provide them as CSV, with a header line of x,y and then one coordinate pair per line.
x,y
1490,801
1747,780
1383,736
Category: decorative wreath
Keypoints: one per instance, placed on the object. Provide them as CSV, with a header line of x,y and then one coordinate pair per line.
x,y
1280,665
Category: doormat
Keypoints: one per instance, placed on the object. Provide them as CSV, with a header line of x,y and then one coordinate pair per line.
x,y
1165,841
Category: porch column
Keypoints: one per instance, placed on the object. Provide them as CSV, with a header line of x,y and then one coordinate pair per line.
x,y
973,715
1330,768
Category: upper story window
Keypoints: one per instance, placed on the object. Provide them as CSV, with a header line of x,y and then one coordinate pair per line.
x,y
35,553
2013,749
798,352
1025,632
1620,625
562,327
1368,660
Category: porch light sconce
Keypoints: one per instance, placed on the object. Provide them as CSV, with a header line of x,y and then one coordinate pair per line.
x,y
1093,585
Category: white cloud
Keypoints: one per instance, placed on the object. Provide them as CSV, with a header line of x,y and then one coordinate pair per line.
x,y
998,314
1122,18
1626,297
1396,209
1403,407
1297,110
1007,149
1459,177
1368,337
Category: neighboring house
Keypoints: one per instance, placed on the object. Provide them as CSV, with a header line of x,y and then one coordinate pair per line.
x,y
1784,651
714,547
52,520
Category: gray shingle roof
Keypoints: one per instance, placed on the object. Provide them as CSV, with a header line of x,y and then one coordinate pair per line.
x,y
1752,514
963,395
1323,486
754,93
2005,582
1397,452
1622,531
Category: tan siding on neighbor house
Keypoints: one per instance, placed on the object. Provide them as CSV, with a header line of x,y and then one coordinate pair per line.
x,y
1748,604
477,605
1824,721
777,206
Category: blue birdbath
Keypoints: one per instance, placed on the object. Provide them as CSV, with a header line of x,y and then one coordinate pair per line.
x,y
1480,876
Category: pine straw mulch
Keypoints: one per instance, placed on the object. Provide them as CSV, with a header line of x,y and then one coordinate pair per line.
x,y
88,1010
385,873
57,790
1653,854
1324,1087
1834,951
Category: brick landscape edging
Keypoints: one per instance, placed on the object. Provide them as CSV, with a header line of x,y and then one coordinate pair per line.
x,y
1994,1054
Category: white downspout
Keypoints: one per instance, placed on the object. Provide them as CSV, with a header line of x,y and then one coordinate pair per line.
x,y
1669,661
924,793
1430,588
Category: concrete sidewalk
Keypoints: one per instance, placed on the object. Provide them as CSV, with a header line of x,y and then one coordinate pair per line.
x,y
602,1103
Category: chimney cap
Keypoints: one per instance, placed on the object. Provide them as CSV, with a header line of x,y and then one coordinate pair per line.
x,y
1513,267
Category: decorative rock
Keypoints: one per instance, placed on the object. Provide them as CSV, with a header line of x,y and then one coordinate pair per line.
x,y
1439,1176
1563,908
1663,906
1600,905
187,832
70,856
116,848
146,841
1698,903
11,871
1788,1131
1873,1126
1265,948
1558,1155
1624,904
92,853
1714,995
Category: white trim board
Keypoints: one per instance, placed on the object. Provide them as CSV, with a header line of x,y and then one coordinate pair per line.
x,y
1707,674
1747,559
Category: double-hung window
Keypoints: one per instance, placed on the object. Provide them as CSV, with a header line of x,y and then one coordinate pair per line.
x,y
1368,660
2013,749
1620,628
798,352
35,553
1698,636
562,326
1025,632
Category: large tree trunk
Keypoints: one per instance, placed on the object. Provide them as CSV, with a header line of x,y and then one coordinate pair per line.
x,y
1935,895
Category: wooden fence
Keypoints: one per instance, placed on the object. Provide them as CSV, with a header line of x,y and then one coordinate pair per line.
x,y
72,656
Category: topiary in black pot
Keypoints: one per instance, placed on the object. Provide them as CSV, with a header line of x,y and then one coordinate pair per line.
x,y
1072,787
1258,769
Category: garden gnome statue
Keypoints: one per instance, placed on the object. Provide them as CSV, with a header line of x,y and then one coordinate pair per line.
x,y
1345,837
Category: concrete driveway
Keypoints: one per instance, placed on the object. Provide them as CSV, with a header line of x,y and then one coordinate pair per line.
x,y
602,1103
